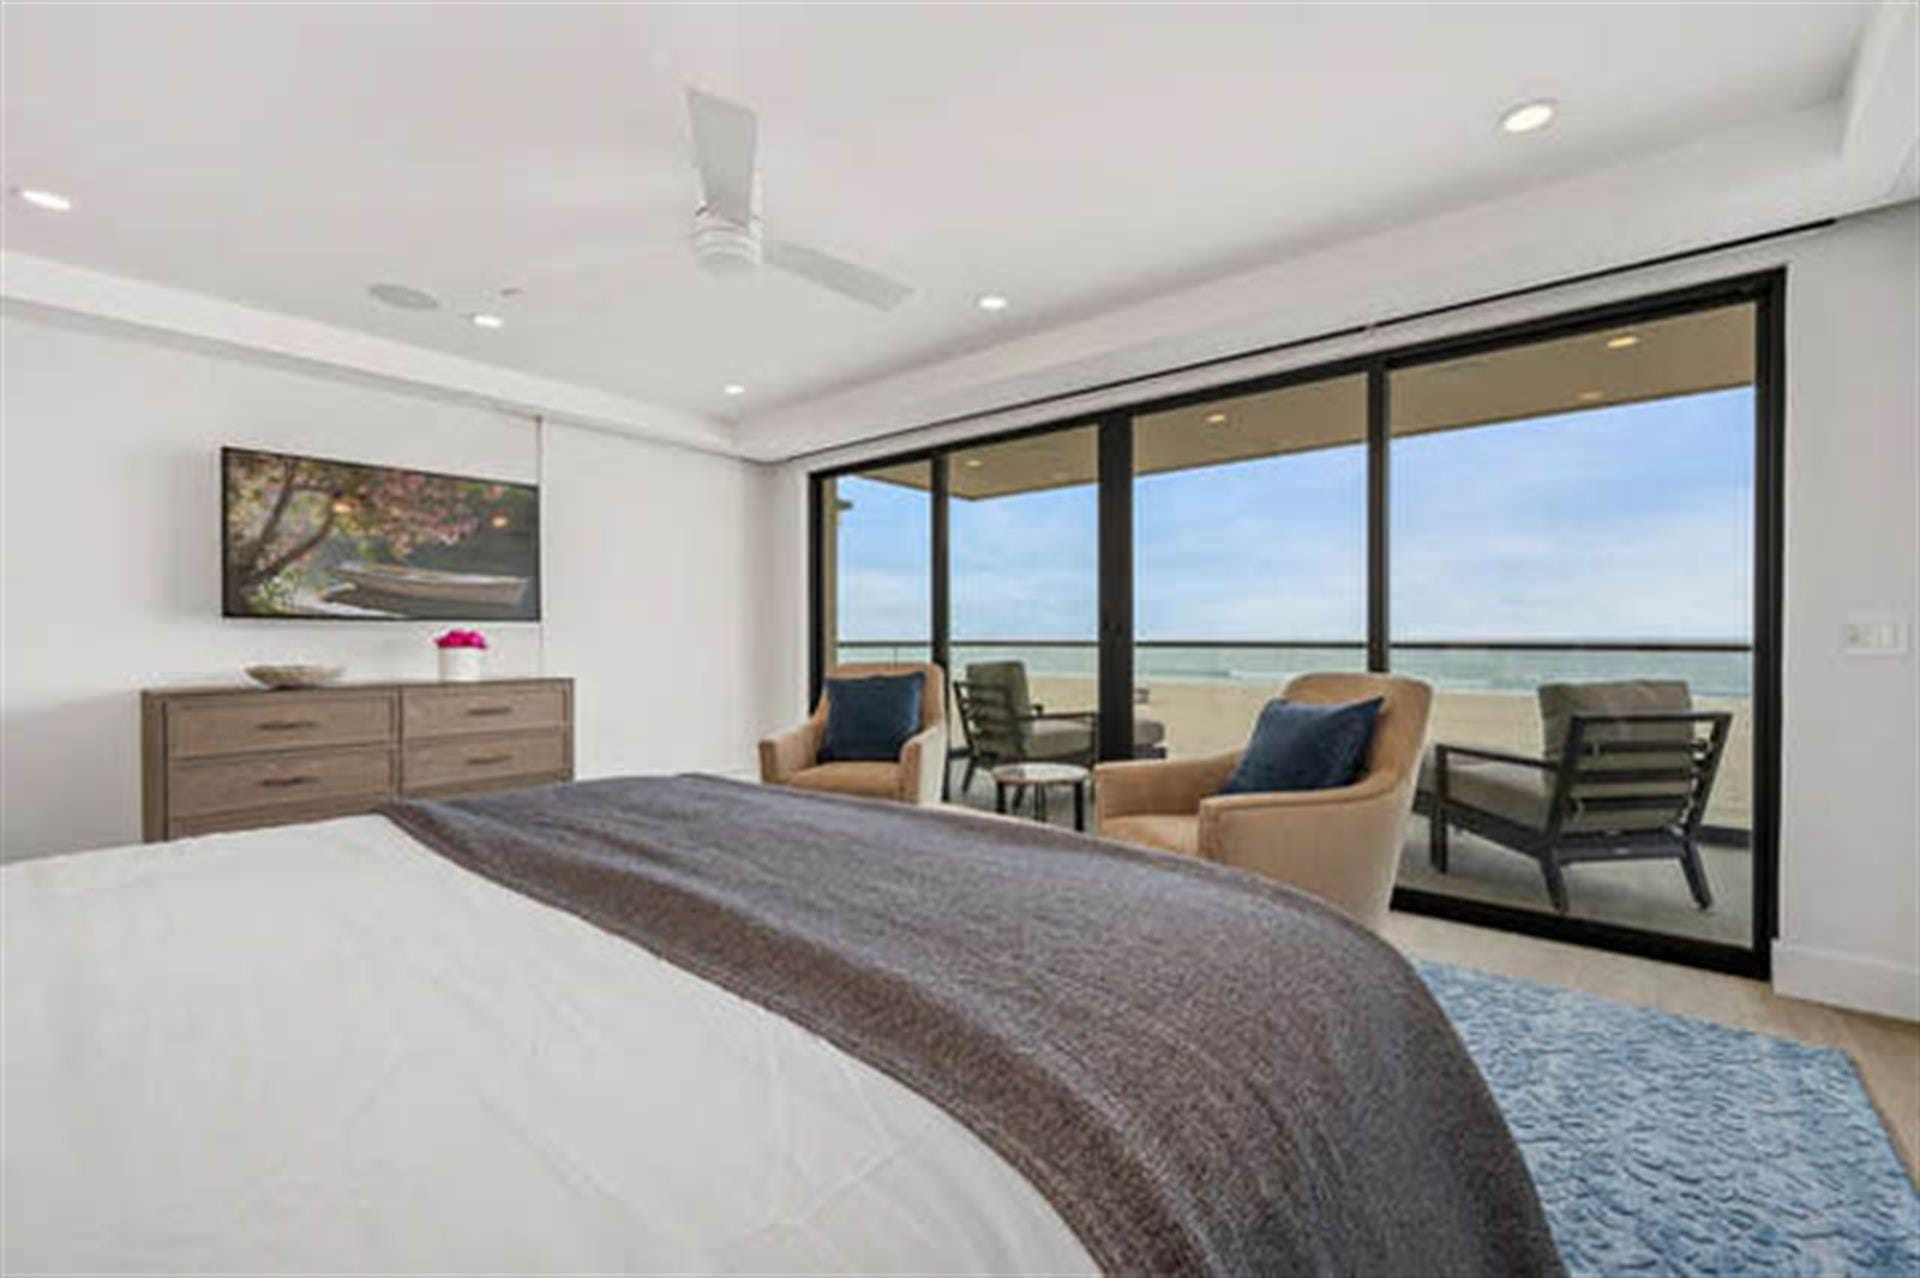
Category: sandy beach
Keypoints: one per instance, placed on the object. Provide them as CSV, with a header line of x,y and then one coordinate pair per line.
x,y
1207,717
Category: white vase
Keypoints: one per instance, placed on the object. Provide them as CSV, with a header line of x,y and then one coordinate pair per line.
x,y
460,665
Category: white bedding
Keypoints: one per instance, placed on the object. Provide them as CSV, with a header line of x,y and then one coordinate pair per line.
x,y
325,1049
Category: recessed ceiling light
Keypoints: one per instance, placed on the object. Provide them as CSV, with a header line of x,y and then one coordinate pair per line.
x,y
1591,396
733,388
1622,342
1216,419
1528,116
52,201
484,320
973,463
991,302
402,297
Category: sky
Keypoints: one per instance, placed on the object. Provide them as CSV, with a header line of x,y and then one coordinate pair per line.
x,y
1617,523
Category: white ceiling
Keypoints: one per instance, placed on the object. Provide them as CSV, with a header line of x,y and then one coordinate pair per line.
x,y
1077,159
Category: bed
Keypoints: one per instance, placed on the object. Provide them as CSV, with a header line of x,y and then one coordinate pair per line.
x,y
397,1044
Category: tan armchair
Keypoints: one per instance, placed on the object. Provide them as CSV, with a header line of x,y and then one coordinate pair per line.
x,y
792,758
1341,845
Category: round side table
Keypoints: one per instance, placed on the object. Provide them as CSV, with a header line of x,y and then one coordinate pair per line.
x,y
1012,778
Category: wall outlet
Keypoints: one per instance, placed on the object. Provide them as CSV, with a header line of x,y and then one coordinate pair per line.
x,y
1874,634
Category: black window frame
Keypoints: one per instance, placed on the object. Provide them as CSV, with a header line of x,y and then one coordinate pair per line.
x,y
1765,290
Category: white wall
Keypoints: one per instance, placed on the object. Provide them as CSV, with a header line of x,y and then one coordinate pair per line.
x,y
1850,819
647,555
109,455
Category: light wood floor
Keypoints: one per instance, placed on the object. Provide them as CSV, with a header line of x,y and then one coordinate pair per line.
x,y
1887,1052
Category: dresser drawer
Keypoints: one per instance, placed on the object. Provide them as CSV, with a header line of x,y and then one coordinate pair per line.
x,y
277,721
453,712
196,789
430,764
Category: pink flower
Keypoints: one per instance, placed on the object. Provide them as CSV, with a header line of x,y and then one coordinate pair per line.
x,y
460,639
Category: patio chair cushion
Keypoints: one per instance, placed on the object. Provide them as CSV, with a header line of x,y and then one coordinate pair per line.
x,y
1073,738
1560,702
1000,727
870,717
1008,675
1168,833
1059,739
1147,732
870,780
1522,795
1305,746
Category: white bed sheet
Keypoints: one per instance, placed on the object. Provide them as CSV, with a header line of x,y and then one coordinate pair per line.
x,y
326,1049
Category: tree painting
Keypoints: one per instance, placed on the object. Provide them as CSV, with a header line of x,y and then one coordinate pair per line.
x,y
306,537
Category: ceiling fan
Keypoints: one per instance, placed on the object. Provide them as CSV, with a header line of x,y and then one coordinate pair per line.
x,y
728,237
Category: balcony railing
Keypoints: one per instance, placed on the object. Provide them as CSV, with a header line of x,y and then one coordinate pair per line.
x,y
1495,645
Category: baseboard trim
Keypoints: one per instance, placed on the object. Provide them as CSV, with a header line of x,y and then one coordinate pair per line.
x,y
1846,980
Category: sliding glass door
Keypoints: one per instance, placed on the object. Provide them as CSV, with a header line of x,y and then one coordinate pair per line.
x,y
1023,520
1250,556
1573,528
1568,528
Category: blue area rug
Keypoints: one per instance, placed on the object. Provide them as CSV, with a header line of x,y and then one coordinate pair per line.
x,y
1667,1145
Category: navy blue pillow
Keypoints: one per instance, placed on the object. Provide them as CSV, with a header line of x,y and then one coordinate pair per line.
x,y
1300,745
870,718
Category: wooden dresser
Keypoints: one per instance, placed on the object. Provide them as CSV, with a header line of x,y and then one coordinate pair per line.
x,y
238,758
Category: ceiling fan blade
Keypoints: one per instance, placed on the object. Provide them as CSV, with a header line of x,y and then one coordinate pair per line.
x,y
843,277
723,148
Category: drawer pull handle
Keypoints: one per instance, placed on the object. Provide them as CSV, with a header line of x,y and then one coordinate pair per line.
x,y
482,760
278,783
480,712
286,725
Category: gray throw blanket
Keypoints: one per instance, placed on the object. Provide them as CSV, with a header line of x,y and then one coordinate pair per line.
x,y
1204,1072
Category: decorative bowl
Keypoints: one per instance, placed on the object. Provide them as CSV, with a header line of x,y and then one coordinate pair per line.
x,y
294,675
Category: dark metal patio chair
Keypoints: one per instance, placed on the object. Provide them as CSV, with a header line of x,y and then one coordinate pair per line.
x,y
1004,726
1615,784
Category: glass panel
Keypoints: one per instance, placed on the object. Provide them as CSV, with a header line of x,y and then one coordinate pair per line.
x,y
1580,512
1250,556
1023,533
876,530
